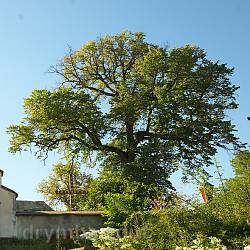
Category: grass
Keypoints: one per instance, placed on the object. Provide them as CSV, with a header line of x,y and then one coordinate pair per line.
x,y
38,244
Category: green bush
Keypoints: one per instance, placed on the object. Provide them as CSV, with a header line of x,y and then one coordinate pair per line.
x,y
225,216
179,227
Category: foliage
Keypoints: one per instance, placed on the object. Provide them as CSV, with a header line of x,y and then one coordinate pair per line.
x,y
203,244
179,227
118,196
112,239
231,202
148,107
66,185
225,217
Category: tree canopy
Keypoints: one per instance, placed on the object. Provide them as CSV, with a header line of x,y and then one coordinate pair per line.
x,y
134,104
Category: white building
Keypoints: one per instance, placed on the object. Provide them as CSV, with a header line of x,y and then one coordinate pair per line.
x,y
7,210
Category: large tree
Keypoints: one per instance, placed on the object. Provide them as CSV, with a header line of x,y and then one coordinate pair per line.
x,y
147,109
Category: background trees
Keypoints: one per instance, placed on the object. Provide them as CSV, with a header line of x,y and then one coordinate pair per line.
x,y
226,217
66,185
231,202
133,106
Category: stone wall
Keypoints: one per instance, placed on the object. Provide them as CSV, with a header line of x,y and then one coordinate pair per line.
x,y
51,224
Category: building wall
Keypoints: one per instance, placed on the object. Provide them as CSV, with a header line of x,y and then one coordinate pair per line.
x,y
49,226
7,213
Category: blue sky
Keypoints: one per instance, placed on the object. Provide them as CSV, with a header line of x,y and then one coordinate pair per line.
x,y
36,34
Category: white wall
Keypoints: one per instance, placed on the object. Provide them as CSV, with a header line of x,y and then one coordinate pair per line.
x,y
46,225
7,213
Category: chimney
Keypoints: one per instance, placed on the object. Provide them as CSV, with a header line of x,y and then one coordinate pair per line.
x,y
1,175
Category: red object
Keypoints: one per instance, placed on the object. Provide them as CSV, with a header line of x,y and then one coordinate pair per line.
x,y
203,193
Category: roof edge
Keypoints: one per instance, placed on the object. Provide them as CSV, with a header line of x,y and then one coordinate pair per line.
x,y
58,213
31,201
10,190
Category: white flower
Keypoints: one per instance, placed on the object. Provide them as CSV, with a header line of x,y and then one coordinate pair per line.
x,y
126,246
108,231
197,242
214,240
200,244
247,247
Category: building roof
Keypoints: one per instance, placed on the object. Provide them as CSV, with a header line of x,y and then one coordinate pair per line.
x,y
32,206
55,213
10,190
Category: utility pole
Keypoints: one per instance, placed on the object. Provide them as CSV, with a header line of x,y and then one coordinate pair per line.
x,y
70,191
